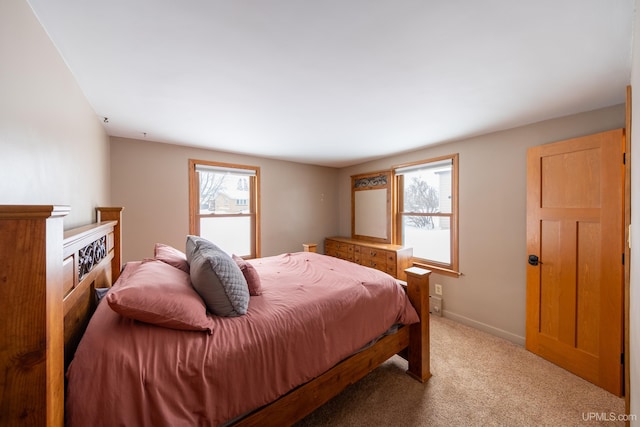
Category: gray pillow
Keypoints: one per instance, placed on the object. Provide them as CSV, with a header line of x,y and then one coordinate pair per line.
x,y
217,278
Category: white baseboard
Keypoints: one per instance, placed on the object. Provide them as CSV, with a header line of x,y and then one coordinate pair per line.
x,y
516,339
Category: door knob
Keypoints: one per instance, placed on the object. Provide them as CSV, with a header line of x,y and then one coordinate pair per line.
x,y
533,260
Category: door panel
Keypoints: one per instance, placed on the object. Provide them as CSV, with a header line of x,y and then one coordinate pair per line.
x,y
575,227
550,293
589,273
564,167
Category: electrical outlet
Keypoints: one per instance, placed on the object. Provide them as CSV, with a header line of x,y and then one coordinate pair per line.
x,y
435,306
438,289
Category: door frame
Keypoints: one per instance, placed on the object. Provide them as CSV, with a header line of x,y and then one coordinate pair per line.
x,y
627,251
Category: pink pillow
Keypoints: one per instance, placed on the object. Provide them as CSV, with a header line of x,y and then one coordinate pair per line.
x,y
162,295
171,256
250,275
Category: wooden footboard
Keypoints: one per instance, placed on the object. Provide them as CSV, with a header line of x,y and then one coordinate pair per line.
x,y
47,279
411,342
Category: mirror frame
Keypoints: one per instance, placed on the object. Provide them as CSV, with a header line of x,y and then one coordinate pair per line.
x,y
381,180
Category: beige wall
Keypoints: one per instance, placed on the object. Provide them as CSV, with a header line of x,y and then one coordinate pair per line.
x,y
491,293
634,300
54,149
298,202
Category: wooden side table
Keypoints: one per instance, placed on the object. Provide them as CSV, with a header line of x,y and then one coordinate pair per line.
x,y
310,247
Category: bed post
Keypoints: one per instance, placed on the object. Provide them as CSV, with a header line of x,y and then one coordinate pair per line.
x,y
31,327
419,356
113,214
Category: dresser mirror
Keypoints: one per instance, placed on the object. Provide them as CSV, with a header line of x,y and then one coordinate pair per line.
x,y
371,207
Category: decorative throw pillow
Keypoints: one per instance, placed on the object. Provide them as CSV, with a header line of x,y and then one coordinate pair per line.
x,y
171,256
217,278
250,275
162,295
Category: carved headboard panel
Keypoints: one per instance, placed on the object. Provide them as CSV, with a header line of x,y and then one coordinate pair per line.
x,y
88,256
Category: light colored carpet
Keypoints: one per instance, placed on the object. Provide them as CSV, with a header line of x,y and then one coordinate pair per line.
x,y
478,380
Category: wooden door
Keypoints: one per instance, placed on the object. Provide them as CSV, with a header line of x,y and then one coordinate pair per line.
x,y
575,217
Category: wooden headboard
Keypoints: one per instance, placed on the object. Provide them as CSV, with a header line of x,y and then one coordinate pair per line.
x,y
47,282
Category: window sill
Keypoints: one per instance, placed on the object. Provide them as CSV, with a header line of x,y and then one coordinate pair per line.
x,y
437,269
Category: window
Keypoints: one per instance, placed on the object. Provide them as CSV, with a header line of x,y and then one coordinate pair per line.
x,y
223,206
427,211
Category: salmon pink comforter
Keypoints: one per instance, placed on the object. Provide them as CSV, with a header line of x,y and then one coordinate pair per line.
x,y
314,311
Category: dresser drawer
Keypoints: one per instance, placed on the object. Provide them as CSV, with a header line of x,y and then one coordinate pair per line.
x,y
339,249
331,248
377,261
392,263
391,258
373,252
345,255
345,247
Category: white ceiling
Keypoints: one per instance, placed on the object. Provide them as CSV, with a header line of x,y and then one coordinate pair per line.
x,y
338,82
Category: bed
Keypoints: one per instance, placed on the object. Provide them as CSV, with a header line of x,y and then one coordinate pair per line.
x,y
59,273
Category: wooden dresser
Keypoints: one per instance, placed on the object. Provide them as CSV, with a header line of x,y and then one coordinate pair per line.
x,y
392,259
